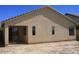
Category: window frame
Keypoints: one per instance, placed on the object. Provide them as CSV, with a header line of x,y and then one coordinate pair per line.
x,y
53,30
33,30
71,31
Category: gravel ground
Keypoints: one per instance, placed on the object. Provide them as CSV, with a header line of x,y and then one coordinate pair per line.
x,y
65,47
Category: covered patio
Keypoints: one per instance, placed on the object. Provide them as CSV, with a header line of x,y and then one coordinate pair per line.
x,y
16,35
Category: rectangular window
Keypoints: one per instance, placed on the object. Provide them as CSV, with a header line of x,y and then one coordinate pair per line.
x,y
33,30
53,30
71,30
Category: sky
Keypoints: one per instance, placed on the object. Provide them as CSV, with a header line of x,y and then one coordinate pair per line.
x,y
9,11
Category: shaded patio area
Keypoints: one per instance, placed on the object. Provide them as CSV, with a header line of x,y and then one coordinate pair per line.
x,y
18,35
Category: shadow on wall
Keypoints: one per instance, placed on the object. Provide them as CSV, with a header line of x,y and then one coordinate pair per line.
x,y
1,39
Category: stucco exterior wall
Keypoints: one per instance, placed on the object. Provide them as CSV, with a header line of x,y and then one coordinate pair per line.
x,y
44,30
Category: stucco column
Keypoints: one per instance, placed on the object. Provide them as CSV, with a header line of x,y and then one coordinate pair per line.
x,y
6,36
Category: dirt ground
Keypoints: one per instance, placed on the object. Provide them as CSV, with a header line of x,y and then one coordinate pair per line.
x,y
64,47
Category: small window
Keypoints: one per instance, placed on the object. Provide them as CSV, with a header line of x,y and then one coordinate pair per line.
x,y
71,30
53,30
33,30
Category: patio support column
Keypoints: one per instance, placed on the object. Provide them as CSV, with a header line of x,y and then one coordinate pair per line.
x,y
6,36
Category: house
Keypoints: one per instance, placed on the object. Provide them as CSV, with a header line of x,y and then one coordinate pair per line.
x,y
41,25
75,18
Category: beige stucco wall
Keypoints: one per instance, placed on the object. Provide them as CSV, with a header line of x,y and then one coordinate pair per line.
x,y
44,30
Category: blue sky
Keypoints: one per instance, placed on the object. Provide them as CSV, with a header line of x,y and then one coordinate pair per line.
x,y
8,11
